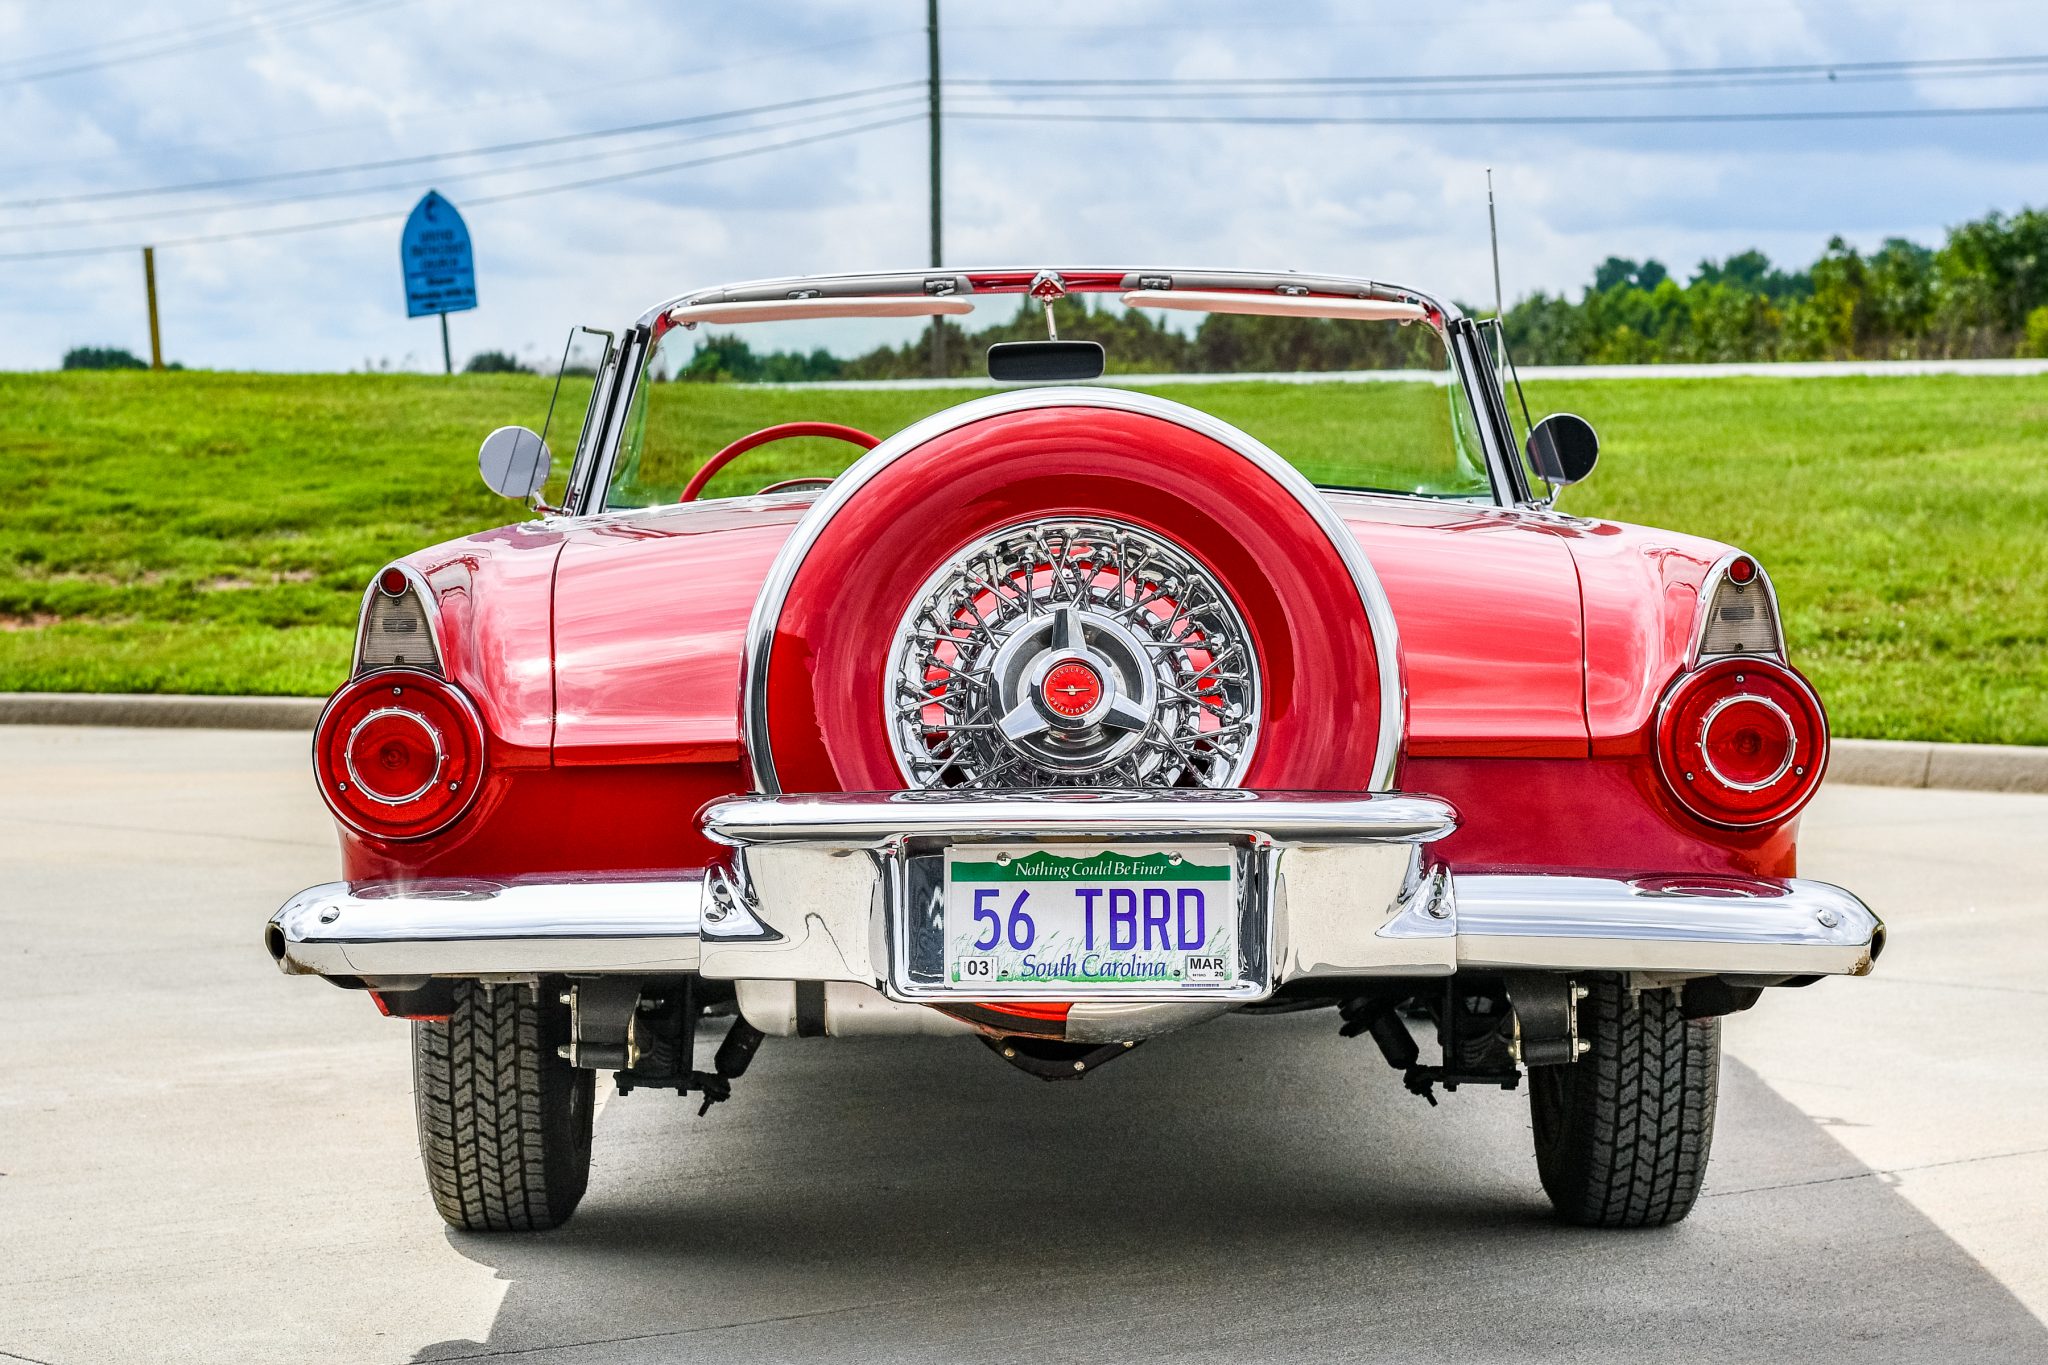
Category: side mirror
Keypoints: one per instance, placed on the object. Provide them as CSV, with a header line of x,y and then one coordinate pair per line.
x,y
515,463
1563,449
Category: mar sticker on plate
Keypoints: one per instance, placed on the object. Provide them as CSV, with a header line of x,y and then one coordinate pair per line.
x,y
1075,922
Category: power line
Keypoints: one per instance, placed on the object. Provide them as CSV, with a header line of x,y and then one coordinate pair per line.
x,y
1451,86
1132,88
258,23
1516,79
444,112
1491,16
1507,120
353,191
617,176
507,197
391,163
158,35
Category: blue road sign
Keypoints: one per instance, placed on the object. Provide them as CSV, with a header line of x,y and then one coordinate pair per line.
x,y
440,275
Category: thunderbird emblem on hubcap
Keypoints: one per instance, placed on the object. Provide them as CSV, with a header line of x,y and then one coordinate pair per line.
x,y
1071,689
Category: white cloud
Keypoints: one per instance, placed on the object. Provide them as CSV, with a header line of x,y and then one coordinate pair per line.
x,y
1400,203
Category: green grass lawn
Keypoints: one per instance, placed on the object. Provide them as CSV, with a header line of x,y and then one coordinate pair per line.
x,y
212,533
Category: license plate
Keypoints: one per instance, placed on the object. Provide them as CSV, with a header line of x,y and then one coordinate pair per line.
x,y
1091,921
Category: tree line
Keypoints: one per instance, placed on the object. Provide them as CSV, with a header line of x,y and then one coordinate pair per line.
x,y
1135,343
1982,292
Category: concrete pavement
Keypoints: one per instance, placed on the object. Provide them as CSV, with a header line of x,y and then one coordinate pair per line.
x,y
203,1160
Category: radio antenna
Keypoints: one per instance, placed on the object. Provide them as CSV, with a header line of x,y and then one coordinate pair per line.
x,y
1500,313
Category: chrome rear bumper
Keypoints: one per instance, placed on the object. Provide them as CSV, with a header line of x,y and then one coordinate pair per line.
x,y
1743,926
389,929
807,895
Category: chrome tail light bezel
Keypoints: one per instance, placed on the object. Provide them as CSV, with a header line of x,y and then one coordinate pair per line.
x,y
1679,737
1722,584
383,610
461,750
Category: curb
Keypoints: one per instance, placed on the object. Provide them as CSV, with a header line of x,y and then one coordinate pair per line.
x,y
1917,763
1855,762
191,712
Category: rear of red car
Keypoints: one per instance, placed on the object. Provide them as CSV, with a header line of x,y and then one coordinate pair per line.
x,y
1061,718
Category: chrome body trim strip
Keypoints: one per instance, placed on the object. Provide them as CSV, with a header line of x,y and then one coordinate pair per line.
x,y
761,625
863,820
1487,399
1689,924
1710,587
461,927
615,391
416,583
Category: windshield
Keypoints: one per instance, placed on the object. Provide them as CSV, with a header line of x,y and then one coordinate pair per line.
x,y
1360,404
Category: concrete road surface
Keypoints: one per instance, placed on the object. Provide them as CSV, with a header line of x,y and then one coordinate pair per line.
x,y
202,1160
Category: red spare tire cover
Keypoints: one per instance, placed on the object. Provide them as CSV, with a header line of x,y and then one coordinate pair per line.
x,y
819,647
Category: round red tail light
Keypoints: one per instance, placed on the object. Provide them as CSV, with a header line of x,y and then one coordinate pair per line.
x,y
399,754
1742,741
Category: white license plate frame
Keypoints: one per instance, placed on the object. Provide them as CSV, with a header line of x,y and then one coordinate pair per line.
x,y
1212,893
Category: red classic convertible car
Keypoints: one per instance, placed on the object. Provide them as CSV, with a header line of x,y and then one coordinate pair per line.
x,y
1057,713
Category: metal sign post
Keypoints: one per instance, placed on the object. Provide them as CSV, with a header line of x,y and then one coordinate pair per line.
x,y
440,272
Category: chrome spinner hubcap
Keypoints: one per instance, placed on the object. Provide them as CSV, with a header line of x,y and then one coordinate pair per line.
x,y
1073,689
1065,652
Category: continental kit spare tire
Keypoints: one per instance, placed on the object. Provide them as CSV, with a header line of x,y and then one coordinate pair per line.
x,y
1071,587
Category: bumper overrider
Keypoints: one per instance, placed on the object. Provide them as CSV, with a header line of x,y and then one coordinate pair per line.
x,y
839,888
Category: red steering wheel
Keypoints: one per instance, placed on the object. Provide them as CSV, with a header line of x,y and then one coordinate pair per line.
x,y
781,431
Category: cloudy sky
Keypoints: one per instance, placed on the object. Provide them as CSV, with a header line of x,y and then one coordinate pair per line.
x,y
100,99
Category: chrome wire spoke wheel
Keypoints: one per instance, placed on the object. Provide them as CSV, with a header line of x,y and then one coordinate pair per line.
x,y
1073,652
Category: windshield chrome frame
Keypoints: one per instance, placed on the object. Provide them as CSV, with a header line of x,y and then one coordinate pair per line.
x,y
1469,366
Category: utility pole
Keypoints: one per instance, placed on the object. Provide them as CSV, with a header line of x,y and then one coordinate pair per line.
x,y
931,32
156,340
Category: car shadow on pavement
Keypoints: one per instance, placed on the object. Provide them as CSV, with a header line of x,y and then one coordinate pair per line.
x,y
1253,1189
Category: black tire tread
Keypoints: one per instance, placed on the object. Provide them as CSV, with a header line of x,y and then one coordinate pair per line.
x,y
1623,1134
503,1137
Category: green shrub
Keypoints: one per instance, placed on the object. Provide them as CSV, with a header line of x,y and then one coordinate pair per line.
x,y
102,358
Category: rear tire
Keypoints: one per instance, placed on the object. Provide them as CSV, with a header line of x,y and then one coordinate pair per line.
x,y
1622,1134
504,1122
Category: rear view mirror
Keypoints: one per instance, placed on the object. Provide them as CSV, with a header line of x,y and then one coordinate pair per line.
x,y
1045,362
1563,449
515,463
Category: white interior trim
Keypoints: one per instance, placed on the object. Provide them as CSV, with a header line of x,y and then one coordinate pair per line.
x,y
1276,305
798,310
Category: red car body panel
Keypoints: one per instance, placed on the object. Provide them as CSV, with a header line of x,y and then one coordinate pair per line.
x,y
1488,609
1641,595
494,595
650,611
605,660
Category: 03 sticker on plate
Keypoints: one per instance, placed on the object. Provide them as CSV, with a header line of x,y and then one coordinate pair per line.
x,y
1077,921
